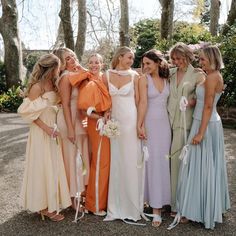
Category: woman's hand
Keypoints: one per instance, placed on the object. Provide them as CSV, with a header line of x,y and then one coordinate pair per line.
x,y
71,135
141,132
107,115
197,139
51,132
192,102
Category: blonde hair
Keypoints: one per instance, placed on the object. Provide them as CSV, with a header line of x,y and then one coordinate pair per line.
x,y
99,56
213,54
182,50
44,69
119,52
60,53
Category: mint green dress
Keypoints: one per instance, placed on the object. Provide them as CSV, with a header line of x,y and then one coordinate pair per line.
x,y
185,88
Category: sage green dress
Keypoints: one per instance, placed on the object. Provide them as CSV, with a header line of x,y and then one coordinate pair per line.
x,y
186,88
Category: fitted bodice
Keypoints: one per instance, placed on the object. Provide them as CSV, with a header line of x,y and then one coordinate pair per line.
x,y
200,92
155,97
123,101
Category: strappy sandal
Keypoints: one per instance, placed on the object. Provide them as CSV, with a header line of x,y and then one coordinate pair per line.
x,y
156,221
173,214
100,213
184,220
53,216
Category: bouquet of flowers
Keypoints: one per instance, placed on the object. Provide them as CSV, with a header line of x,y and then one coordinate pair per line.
x,y
111,129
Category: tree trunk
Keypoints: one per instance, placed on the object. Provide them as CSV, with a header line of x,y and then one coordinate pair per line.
x,y
12,44
82,26
65,15
214,16
60,40
167,15
231,18
124,23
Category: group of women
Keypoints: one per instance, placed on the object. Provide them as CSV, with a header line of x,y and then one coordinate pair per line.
x,y
162,113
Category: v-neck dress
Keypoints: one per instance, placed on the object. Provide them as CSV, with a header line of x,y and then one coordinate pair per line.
x,y
157,181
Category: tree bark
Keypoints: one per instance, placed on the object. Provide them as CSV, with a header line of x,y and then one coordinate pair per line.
x,y
82,26
231,18
124,23
65,15
60,40
167,15
12,44
214,16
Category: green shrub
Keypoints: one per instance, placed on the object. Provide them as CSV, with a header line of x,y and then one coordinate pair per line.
x,y
3,85
228,50
10,100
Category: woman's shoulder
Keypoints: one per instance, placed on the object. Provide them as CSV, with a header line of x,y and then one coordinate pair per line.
x,y
35,91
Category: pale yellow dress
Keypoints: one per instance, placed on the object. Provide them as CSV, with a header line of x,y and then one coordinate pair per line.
x,y
76,180
44,183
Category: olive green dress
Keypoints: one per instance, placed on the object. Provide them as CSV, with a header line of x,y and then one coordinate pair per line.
x,y
186,88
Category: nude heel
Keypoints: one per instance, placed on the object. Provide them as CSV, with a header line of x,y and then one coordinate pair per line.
x,y
42,216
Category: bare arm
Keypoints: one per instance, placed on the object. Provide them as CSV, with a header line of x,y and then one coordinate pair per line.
x,y
107,114
34,93
142,106
210,91
136,90
65,90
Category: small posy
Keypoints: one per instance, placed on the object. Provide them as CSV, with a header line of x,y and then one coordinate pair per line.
x,y
111,129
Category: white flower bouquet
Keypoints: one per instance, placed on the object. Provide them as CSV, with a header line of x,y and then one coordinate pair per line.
x,y
111,129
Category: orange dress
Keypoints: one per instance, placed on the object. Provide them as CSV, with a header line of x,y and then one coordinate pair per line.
x,y
95,94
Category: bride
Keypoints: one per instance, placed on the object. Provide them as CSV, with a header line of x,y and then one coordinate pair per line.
x,y
125,199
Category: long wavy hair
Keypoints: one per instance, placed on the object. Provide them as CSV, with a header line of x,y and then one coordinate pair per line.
x,y
43,70
157,57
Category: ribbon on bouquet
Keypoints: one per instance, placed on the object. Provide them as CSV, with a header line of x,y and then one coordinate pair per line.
x,y
184,154
55,128
182,106
80,168
99,128
145,157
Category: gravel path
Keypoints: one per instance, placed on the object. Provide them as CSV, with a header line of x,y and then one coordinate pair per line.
x,y
14,221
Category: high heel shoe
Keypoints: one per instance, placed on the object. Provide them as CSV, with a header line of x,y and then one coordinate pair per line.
x,y
53,216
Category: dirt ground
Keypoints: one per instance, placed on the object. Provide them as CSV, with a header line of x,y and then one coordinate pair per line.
x,y
15,221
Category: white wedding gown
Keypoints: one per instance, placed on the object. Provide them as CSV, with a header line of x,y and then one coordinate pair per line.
x,y
125,197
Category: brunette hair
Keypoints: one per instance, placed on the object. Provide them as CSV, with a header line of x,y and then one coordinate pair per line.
x,y
158,58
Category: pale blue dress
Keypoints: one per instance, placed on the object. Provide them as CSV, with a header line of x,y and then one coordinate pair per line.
x,y
202,190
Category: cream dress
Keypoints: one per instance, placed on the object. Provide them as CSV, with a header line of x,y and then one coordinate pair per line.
x,y
44,184
76,180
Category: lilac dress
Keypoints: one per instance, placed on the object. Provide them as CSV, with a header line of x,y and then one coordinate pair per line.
x,y
157,180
